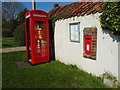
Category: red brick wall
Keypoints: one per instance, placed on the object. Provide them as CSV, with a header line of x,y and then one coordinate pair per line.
x,y
91,31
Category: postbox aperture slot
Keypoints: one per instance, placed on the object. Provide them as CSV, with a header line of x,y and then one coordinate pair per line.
x,y
88,38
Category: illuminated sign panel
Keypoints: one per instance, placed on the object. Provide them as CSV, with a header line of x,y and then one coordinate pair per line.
x,y
36,15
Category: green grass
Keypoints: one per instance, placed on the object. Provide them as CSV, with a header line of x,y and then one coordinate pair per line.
x,y
47,75
8,42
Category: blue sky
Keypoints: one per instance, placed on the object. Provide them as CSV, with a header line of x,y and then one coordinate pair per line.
x,y
45,6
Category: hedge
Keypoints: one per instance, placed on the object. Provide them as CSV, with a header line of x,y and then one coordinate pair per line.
x,y
19,35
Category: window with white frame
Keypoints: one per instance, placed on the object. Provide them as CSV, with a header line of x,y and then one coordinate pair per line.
x,y
74,32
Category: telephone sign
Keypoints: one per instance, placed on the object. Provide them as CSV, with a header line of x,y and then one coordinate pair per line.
x,y
37,36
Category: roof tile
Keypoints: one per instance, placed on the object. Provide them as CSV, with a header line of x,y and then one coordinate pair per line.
x,y
77,9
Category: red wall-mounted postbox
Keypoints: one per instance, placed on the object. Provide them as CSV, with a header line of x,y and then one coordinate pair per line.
x,y
37,36
88,44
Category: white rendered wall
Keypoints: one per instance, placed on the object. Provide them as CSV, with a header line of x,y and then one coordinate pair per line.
x,y
72,52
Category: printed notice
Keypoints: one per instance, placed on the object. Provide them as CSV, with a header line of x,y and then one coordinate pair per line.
x,y
74,33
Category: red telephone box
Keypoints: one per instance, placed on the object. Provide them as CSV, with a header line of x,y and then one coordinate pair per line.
x,y
88,44
37,36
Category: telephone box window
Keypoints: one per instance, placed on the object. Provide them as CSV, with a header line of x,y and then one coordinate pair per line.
x,y
74,32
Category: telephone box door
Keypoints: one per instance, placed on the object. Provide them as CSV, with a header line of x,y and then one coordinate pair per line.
x,y
41,47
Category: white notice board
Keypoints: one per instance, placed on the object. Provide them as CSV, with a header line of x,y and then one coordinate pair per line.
x,y
74,32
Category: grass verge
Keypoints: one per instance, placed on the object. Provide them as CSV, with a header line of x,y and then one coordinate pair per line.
x,y
47,75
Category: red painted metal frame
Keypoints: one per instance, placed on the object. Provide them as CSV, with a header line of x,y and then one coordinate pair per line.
x,y
88,41
31,18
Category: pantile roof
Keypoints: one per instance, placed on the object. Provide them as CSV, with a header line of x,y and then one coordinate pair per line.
x,y
77,9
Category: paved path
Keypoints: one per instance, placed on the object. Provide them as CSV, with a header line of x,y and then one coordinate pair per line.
x,y
5,50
